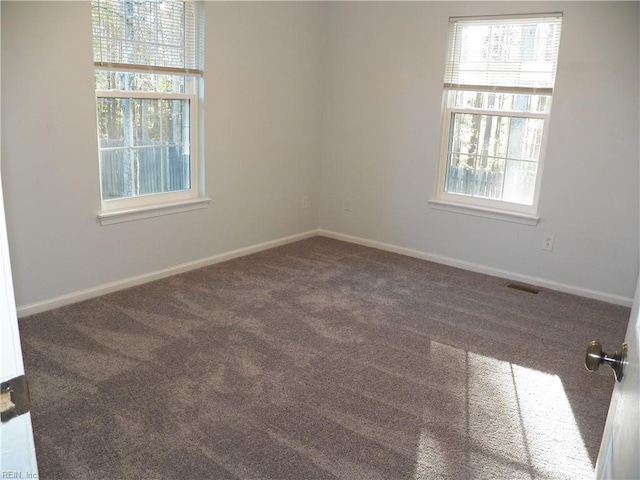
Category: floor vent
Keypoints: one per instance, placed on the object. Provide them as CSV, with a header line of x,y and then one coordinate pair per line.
x,y
523,287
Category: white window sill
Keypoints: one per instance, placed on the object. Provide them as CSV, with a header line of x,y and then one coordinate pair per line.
x,y
514,217
150,211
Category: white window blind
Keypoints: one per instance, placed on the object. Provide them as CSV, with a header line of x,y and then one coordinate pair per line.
x,y
163,36
509,54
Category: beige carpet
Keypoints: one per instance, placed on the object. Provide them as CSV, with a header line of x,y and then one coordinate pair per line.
x,y
320,359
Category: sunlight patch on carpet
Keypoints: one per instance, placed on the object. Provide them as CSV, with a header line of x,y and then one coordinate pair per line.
x,y
506,419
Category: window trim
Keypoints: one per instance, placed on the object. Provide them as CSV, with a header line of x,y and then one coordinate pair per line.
x,y
478,211
482,204
479,206
161,198
111,217
162,203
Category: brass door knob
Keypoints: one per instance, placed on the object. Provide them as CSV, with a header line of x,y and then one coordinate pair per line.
x,y
596,357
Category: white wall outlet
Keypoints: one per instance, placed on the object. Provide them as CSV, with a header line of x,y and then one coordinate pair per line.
x,y
547,242
304,202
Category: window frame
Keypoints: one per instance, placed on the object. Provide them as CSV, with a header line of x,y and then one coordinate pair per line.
x,y
116,210
476,205
471,201
159,198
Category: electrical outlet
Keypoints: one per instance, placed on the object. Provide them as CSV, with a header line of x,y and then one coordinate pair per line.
x,y
547,242
304,202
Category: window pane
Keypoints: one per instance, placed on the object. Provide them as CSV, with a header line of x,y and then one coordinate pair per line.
x,y
116,173
501,101
157,120
483,135
141,82
460,174
488,180
492,138
465,176
462,139
494,156
520,182
163,169
144,146
525,139
110,118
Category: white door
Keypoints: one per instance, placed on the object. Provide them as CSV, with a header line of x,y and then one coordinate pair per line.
x,y
17,450
619,456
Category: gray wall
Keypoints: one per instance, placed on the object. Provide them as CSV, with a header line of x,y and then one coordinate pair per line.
x,y
329,99
262,132
382,128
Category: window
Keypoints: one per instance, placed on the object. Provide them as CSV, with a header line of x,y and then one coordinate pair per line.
x,y
148,74
499,80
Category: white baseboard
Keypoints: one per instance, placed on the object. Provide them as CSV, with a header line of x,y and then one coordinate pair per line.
x,y
92,292
474,267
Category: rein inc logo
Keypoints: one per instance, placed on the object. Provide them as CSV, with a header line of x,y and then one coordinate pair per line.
x,y
19,475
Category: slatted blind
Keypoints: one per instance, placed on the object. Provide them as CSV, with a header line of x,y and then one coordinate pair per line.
x,y
515,53
163,36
